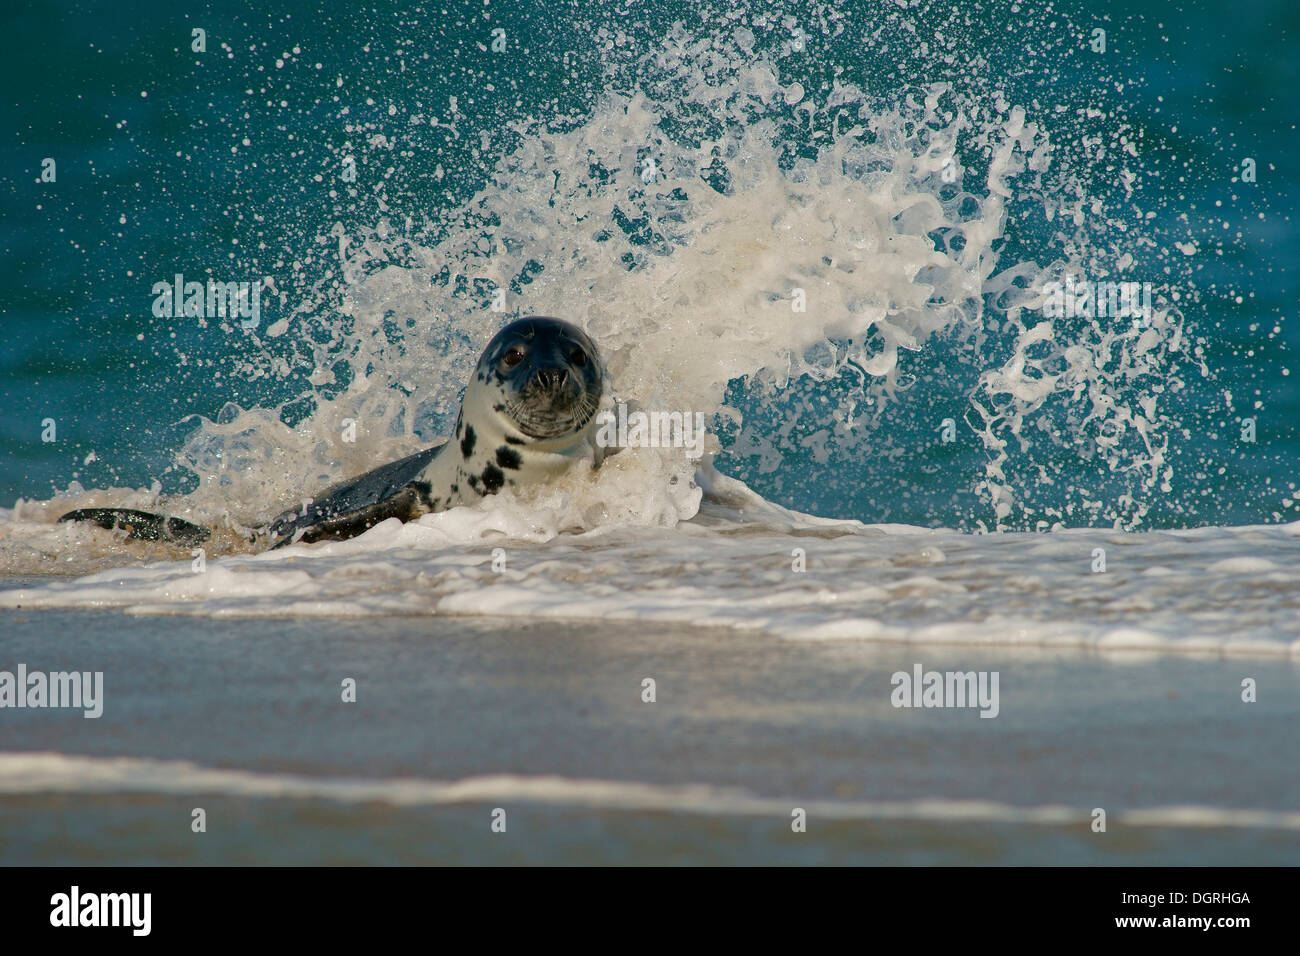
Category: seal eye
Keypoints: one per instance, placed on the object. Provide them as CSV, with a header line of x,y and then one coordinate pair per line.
x,y
578,358
513,357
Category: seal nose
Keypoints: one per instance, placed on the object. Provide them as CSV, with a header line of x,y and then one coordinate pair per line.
x,y
551,379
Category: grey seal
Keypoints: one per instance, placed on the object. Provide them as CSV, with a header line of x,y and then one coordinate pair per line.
x,y
528,414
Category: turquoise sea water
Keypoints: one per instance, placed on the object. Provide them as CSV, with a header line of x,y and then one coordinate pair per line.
x,y
228,163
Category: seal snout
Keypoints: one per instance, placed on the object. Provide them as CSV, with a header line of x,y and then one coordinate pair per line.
x,y
552,388
551,380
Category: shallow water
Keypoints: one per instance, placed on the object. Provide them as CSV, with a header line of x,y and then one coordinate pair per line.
x,y
456,717
753,567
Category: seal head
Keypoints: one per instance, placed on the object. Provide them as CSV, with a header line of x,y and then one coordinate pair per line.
x,y
529,411
548,377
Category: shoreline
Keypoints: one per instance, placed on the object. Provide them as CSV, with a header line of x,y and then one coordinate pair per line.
x,y
454,718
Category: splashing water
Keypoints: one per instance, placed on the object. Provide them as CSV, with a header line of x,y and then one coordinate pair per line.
x,y
798,259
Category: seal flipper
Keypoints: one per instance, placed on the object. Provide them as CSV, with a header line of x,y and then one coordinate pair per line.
x,y
356,505
407,504
142,525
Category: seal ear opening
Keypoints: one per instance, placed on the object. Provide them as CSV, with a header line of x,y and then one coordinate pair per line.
x,y
141,525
